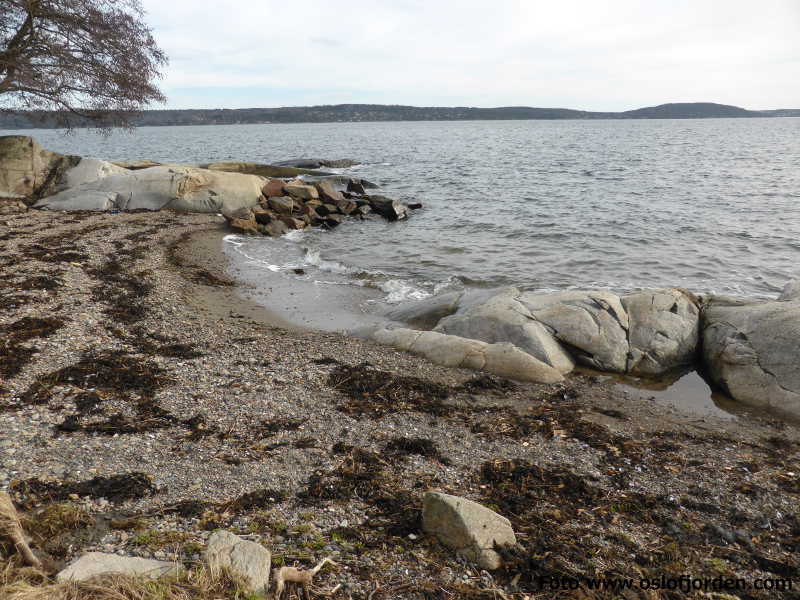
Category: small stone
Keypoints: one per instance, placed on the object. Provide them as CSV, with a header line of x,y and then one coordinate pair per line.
x,y
467,527
98,563
250,560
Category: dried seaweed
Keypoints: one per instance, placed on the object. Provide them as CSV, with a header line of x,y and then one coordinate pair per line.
x,y
375,393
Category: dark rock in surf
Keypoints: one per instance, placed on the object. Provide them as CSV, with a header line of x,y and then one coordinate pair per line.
x,y
356,187
392,210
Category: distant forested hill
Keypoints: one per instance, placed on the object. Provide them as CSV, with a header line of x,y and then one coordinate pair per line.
x,y
341,113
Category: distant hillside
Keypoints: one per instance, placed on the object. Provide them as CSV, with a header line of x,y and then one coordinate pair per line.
x,y
782,112
341,113
693,110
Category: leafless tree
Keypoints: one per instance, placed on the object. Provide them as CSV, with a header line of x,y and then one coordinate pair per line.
x,y
78,61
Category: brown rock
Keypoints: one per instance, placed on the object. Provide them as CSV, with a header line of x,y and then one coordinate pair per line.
x,y
303,192
328,193
282,205
275,228
310,212
333,220
331,208
244,226
347,207
293,223
244,214
262,215
273,187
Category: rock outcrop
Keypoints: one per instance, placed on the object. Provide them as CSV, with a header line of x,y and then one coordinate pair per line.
x,y
502,359
467,527
248,559
248,168
183,189
92,564
752,351
663,331
501,317
27,170
646,333
318,163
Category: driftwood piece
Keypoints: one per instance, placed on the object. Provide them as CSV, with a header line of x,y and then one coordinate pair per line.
x,y
286,575
11,527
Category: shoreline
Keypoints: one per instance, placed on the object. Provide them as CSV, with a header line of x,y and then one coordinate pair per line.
x,y
204,249
147,401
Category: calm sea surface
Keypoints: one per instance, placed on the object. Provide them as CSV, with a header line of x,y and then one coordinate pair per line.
x,y
708,205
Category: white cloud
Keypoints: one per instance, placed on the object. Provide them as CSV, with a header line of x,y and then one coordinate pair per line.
x,y
579,54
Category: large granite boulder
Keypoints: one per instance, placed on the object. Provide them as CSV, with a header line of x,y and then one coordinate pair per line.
x,y
501,317
183,189
426,313
593,325
467,527
502,359
752,351
92,564
663,331
645,333
27,170
88,170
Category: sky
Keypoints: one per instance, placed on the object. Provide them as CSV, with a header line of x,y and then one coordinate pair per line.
x,y
591,55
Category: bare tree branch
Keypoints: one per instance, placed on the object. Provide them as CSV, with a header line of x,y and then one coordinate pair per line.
x,y
81,61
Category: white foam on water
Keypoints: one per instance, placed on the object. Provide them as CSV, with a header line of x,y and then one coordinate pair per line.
x,y
400,290
234,239
314,258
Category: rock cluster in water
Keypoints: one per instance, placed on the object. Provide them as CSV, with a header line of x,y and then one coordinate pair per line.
x,y
298,204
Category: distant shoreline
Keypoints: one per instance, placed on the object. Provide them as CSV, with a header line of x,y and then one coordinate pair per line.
x,y
370,113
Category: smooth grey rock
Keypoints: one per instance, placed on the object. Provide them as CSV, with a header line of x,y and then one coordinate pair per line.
x,y
301,191
88,170
426,314
502,318
467,527
592,324
250,560
752,351
183,189
502,359
663,331
99,563
791,291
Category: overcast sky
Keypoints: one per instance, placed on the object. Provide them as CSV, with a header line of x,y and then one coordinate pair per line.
x,y
583,54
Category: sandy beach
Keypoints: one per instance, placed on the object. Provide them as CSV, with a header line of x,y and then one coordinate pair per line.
x,y
140,388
